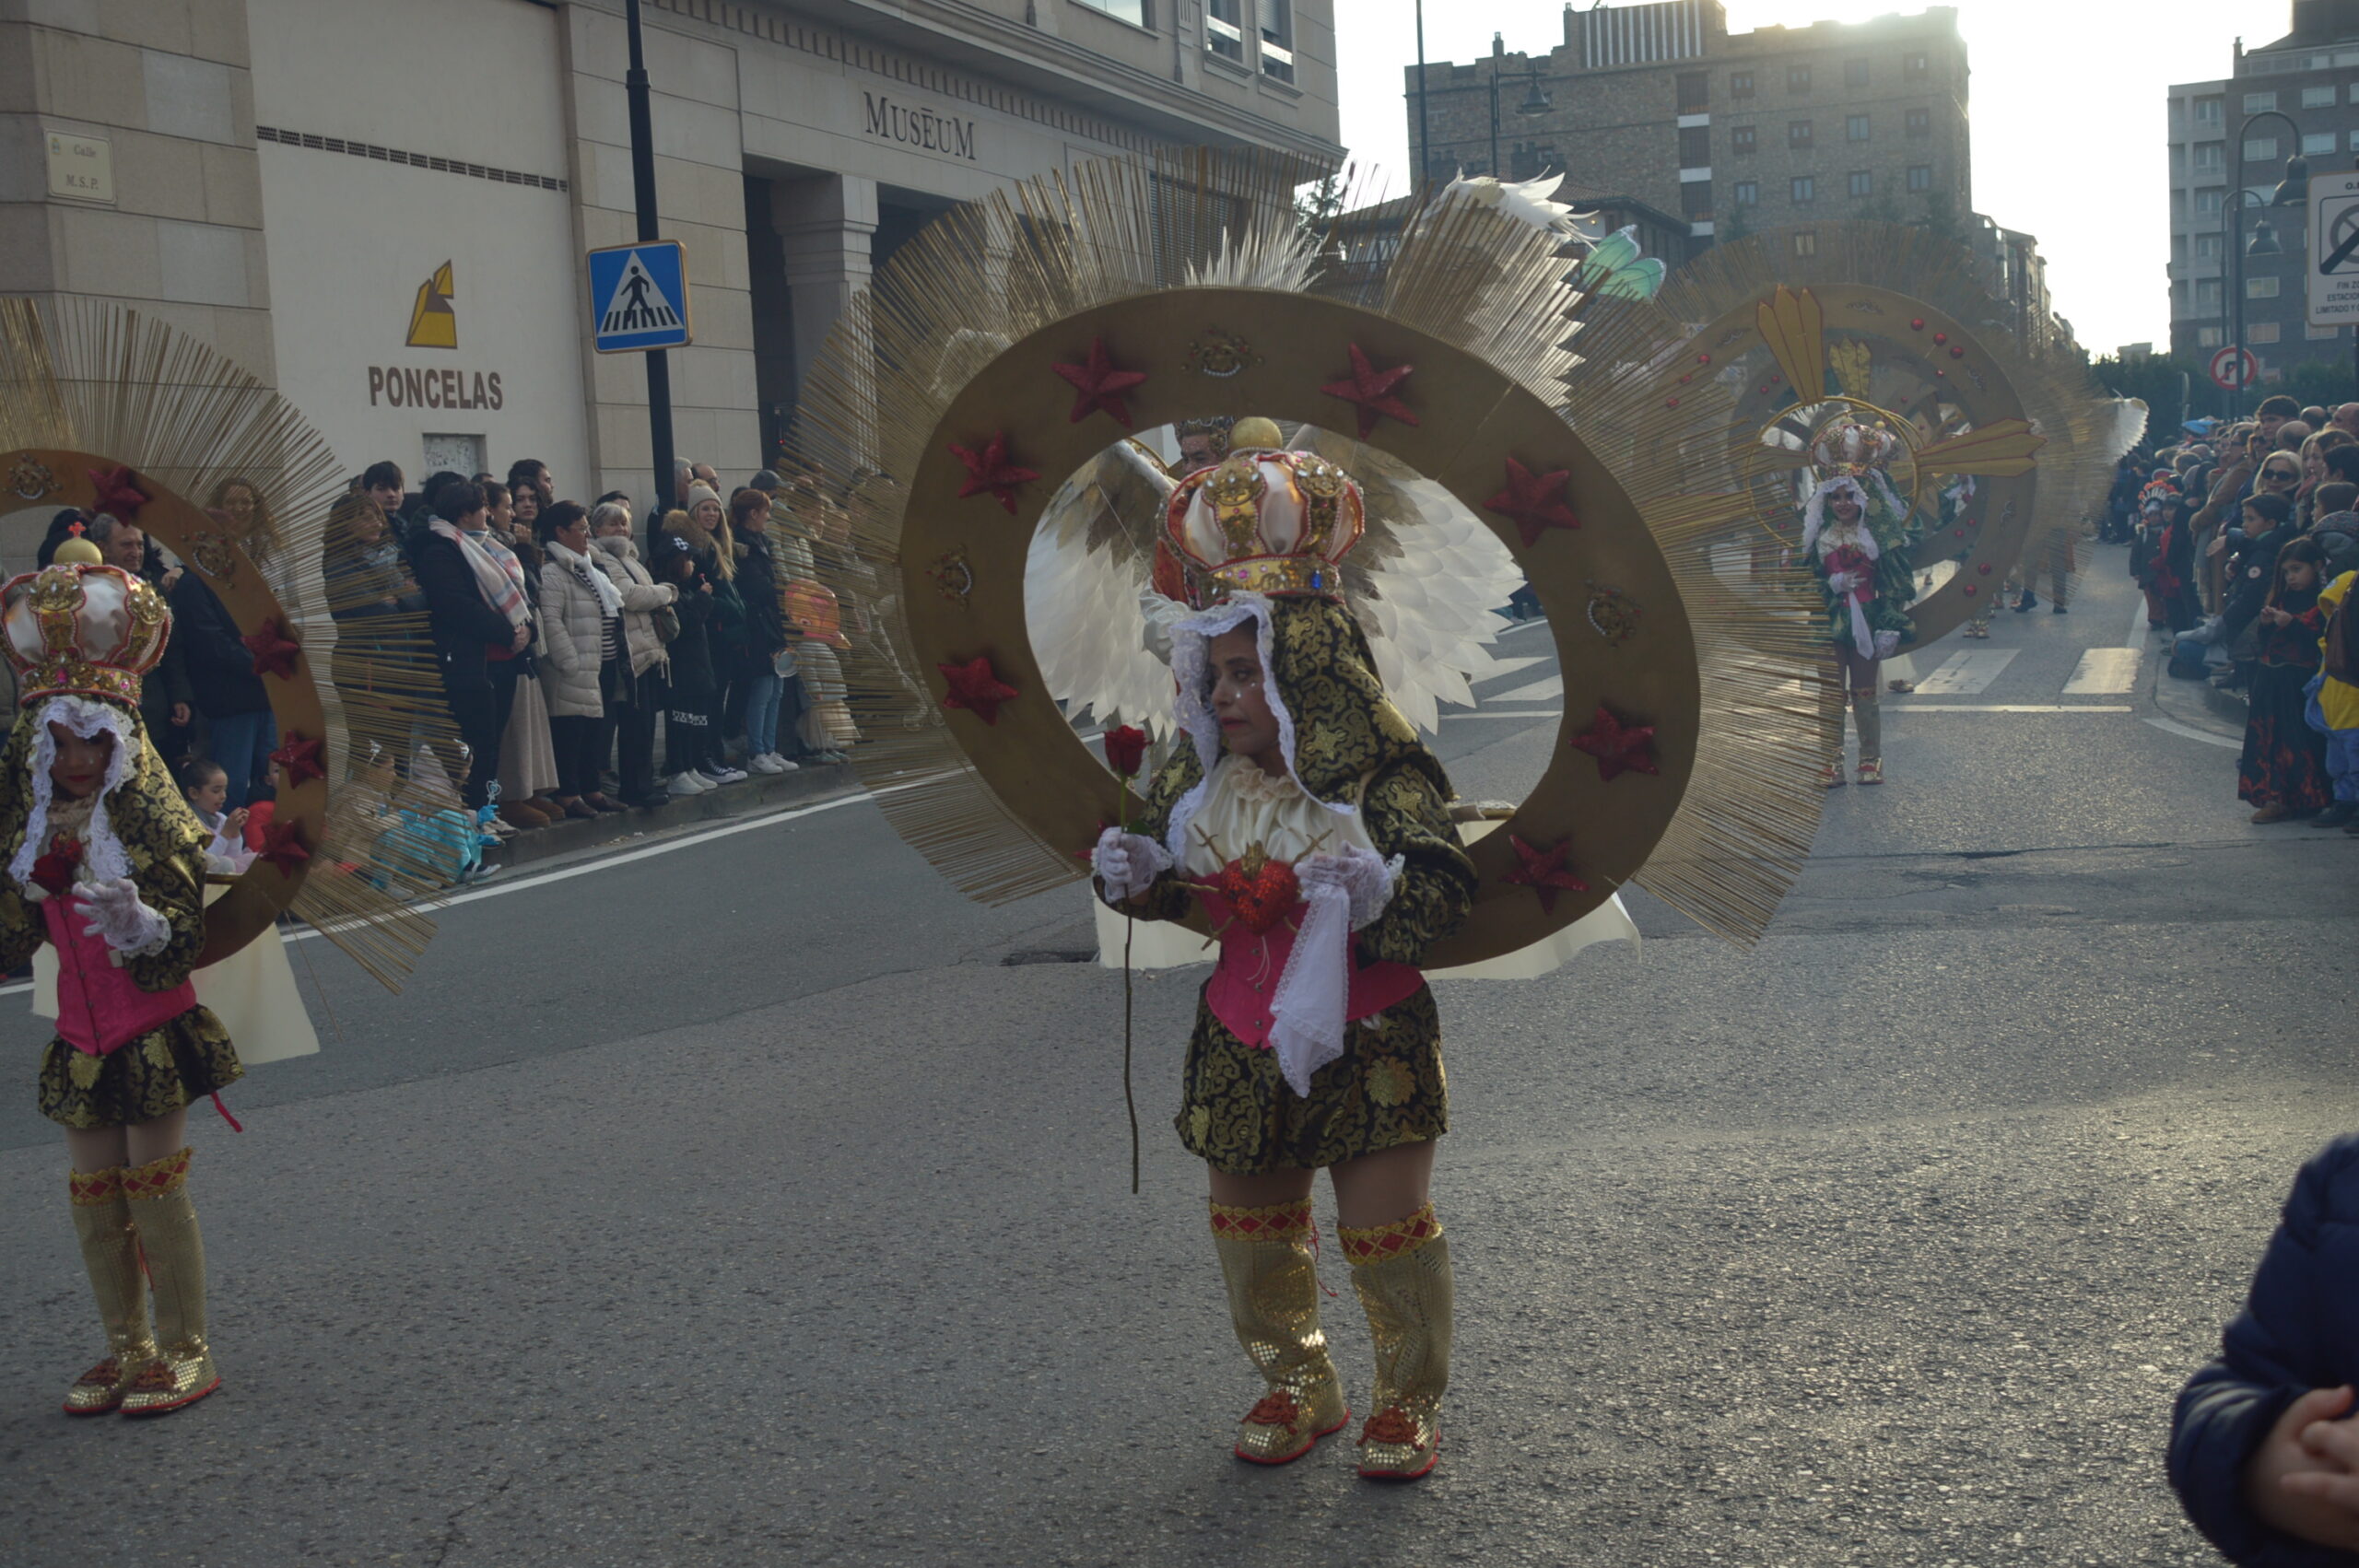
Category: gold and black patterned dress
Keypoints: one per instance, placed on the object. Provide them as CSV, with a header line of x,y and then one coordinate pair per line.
x,y
189,1055
1236,1111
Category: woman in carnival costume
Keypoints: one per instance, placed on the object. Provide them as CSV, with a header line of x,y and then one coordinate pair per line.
x,y
106,862
1313,826
1857,538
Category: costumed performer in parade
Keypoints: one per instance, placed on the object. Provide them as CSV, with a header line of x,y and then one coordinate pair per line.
x,y
1303,814
106,862
1857,538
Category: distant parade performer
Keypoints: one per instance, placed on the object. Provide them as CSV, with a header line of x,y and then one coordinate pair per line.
x,y
1858,539
107,863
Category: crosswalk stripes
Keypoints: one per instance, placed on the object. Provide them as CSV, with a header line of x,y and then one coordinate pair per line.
x,y
1968,674
2105,671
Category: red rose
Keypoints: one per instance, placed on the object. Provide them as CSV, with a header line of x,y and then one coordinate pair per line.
x,y
53,873
1125,749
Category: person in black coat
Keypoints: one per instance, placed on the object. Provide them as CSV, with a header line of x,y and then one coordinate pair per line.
x,y
466,623
235,703
2264,1453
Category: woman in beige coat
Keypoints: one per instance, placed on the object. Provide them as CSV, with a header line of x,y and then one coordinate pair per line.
x,y
629,726
581,638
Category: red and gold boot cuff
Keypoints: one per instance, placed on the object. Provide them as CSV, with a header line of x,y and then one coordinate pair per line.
x,y
1397,1239
1279,1221
89,1189
157,1178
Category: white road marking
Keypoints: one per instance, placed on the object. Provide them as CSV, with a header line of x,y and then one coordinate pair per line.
x,y
2192,733
1523,626
2137,633
2004,707
1531,691
1901,667
1501,667
1504,713
2105,671
1964,675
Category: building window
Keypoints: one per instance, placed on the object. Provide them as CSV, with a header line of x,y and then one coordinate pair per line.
x,y
1745,193
1805,190
2208,110
1863,184
1741,85
2208,338
1798,79
1694,92
2318,97
2260,102
1131,11
2260,149
1798,133
1915,67
2207,247
1224,28
2207,294
1740,139
1855,127
2208,203
1695,147
1806,242
2317,334
1920,176
1920,122
1695,198
2211,158
1277,40
2261,288
1855,73
2315,143
2261,331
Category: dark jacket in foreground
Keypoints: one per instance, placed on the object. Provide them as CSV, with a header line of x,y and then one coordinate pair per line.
x,y
2299,1330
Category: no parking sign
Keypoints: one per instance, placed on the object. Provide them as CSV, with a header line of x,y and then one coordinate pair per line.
x,y
2334,250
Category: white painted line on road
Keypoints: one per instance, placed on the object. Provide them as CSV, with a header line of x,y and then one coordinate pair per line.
x,y
1504,713
1531,691
1500,668
2192,733
1523,626
1967,674
1901,667
2105,671
2137,633
2004,707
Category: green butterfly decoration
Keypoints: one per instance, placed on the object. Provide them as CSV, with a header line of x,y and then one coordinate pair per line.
x,y
1616,271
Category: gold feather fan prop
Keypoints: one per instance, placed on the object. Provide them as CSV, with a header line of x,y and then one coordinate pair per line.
x,y
2000,441
107,410
956,395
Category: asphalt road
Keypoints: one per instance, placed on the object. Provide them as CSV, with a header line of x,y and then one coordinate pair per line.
x,y
740,1203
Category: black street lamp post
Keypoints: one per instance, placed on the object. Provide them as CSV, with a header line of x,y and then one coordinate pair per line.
x,y
2293,191
1535,102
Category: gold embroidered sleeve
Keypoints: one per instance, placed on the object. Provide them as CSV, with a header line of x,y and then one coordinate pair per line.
x,y
21,929
174,888
1405,815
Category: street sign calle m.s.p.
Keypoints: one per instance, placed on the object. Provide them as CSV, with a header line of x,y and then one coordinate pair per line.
x,y
639,296
2233,367
2334,250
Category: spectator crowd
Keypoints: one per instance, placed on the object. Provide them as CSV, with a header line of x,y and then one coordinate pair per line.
x,y
2247,544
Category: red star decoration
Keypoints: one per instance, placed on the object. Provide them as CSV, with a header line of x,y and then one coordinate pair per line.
x,y
1535,502
274,654
1544,872
991,471
1370,390
975,687
301,758
1619,748
282,845
1101,385
119,495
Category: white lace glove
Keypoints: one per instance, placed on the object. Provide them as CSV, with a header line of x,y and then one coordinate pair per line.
x,y
1364,877
1842,583
1127,863
1887,644
116,915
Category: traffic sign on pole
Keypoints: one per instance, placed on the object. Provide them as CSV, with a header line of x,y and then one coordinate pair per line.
x,y
2233,367
2334,250
639,296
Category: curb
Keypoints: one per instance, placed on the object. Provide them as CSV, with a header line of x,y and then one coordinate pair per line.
x,y
811,782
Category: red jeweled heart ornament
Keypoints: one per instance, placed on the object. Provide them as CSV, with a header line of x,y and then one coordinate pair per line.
x,y
1262,892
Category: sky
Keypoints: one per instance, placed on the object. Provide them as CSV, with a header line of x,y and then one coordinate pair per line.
x,y
2068,107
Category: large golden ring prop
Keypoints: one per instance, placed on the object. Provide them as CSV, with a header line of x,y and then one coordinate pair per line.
x,y
1474,418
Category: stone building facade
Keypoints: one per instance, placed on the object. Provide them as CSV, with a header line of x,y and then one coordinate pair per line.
x,y
1776,127
2227,154
382,207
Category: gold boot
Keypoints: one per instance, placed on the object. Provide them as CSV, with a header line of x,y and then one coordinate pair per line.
x,y
1401,1272
110,1256
183,1372
1273,1302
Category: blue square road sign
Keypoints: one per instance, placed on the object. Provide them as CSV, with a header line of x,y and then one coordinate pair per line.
x,y
639,296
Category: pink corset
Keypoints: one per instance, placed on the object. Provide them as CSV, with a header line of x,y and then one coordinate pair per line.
x,y
1245,981
99,1006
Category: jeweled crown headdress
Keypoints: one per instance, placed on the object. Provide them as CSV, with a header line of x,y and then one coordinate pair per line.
x,y
82,628
1848,445
1268,521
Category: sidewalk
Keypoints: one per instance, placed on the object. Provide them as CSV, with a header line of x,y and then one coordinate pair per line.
x,y
809,783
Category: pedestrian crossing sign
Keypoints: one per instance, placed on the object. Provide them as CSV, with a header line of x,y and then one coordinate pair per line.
x,y
639,296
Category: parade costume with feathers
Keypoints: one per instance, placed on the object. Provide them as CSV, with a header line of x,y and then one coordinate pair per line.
x,y
1864,570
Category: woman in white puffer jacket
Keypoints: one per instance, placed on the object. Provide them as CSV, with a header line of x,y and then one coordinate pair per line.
x,y
581,634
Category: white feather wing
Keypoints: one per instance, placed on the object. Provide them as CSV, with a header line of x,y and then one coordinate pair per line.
x,y
1089,561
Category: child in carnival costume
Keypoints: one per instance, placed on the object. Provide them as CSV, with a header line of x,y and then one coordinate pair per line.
x,y
1305,815
1856,537
106,862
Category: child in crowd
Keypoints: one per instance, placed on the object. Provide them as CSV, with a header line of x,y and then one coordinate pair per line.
x,y
206,784
2283,770
2334,700
2263,1456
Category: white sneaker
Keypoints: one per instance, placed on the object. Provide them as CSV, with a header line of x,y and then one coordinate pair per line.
x,y
687,784
780,765
763,764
